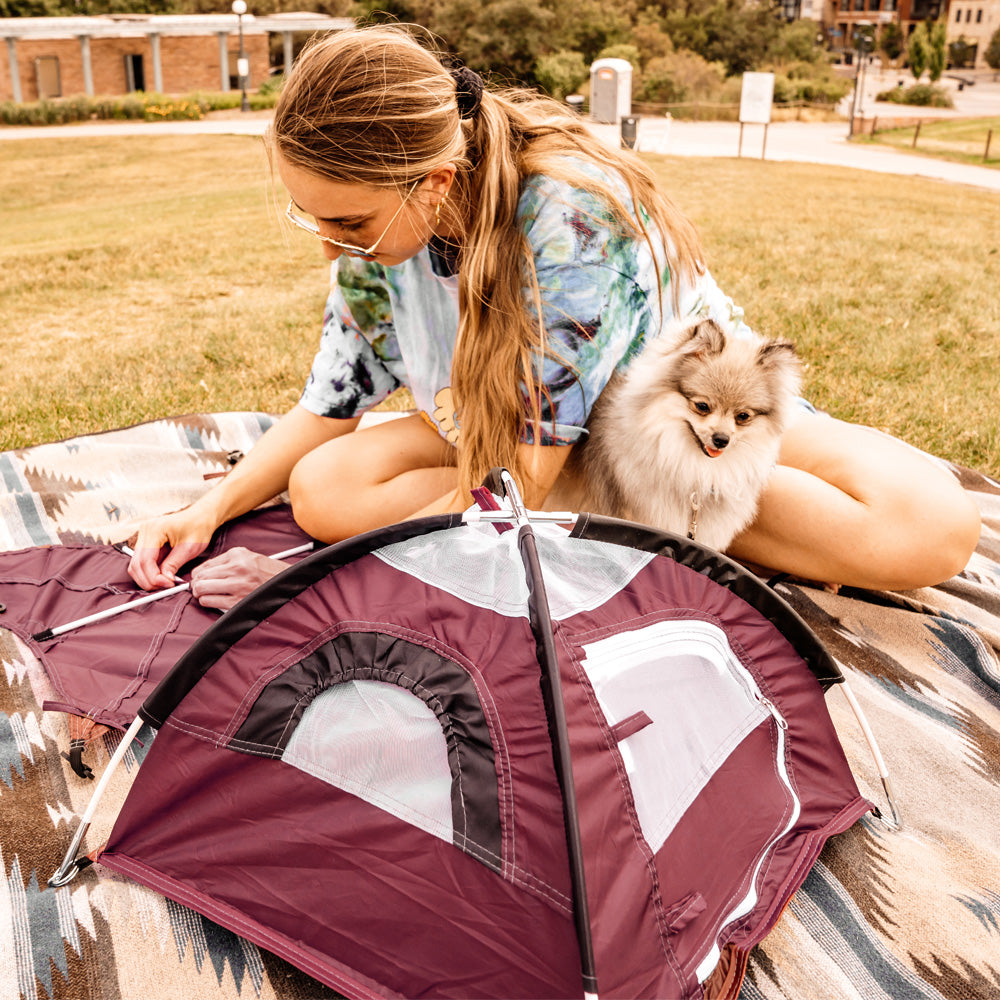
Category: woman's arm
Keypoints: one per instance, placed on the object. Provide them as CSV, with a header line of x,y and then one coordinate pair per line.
x,y
166,543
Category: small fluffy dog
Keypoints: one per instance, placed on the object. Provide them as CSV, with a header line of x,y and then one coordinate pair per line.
x,y
686,439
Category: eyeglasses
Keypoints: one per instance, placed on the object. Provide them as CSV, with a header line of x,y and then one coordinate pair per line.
x,y
311,227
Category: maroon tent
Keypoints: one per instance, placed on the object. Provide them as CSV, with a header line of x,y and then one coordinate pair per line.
x,y
104,670
443,760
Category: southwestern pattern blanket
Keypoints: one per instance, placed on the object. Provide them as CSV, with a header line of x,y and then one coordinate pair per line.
x,y
908,914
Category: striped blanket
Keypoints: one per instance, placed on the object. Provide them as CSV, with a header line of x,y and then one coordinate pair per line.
x,y
913,913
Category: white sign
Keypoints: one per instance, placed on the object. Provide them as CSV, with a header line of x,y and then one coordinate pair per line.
x,y
243,67
756,97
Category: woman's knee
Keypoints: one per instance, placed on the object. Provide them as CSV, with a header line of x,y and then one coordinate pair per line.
x,y
904,521
370,478
957,528
313,494
934,530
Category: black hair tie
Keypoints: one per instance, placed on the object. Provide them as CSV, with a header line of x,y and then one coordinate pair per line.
x,y
468,91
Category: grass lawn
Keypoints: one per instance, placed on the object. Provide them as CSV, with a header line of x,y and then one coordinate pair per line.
x,y
963,141
149,276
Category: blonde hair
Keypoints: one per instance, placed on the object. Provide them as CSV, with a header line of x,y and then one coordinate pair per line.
x,y
374,106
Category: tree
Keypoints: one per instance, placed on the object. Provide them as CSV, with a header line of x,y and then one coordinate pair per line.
x,y
916,51
587,26
890,41
502,38
937,49
796,43
736,34
959,52
649,37
992,53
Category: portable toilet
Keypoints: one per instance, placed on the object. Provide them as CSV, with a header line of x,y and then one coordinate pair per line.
x,y
610,90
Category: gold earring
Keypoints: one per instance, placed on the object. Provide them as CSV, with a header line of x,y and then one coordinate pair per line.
x,y
437,209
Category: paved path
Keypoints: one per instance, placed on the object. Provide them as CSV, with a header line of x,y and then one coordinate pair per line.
x,y
805,142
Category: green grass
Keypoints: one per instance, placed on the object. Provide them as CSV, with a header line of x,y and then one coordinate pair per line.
x,y
147,276
963,141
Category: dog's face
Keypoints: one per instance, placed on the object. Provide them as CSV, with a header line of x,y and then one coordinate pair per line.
x,y
729,391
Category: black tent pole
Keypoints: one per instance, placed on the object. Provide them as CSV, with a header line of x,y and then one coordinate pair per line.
x,y
541,627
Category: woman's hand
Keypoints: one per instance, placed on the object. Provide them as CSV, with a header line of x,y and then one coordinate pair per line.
x,y
165,544
223,581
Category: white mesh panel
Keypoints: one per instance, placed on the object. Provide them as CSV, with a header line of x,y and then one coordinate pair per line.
x,y
580,574
684,676
381,743
484,568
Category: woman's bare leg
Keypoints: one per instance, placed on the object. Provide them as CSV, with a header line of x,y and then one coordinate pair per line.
x,y
848,505
373,477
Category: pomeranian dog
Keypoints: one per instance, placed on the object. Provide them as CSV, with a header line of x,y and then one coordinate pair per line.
x,y
686,439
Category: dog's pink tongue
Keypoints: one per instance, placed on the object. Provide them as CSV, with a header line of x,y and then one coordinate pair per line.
x,y
712,452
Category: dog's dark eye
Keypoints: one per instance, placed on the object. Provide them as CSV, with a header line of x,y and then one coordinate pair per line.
x,y
702,407
743,417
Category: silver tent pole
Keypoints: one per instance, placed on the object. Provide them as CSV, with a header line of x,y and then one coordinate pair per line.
x,y
883,772
71,864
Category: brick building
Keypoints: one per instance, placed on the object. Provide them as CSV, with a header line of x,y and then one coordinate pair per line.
x,y
843,18
119,53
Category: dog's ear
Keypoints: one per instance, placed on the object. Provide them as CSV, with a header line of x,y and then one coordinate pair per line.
x,y
704,338
774,353
780,361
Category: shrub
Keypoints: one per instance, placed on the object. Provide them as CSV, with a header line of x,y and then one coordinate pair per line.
x,y
130,107
272,85
561,73
924,95
816,89
680,77
157,107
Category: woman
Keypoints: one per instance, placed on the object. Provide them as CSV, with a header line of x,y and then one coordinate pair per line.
x,y
489,255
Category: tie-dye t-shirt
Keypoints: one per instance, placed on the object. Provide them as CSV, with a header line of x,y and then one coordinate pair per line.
x,y
386,327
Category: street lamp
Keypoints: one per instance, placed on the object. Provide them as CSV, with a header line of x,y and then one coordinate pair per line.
x,y
242,63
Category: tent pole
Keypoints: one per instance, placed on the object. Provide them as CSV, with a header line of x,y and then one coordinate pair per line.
x,y
541,626
71,864
883,772
50,633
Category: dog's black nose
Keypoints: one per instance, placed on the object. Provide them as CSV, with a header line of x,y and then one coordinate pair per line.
x,y
720,440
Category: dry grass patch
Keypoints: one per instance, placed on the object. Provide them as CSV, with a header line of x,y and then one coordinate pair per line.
x,y
887,285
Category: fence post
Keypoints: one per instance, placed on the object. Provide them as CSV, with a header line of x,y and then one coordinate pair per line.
x,y
989,139
874,124
916,133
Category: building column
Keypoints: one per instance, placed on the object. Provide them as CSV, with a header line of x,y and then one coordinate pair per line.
x,y
224,58
154,42
286,37
15,71
88,71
